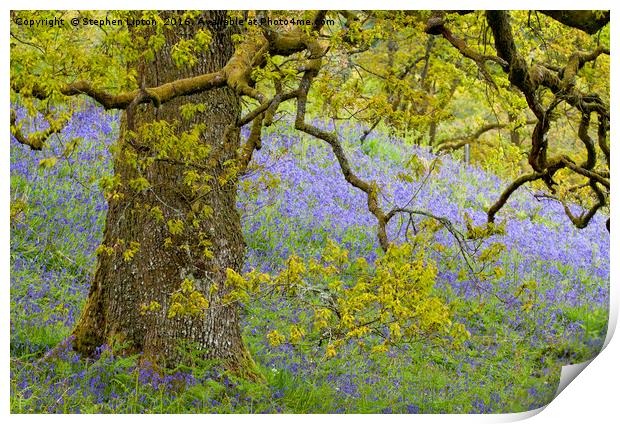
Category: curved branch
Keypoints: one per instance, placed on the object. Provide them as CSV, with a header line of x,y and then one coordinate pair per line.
x,y
436,26
583,220
37,140
163,93
458,142
333,140
509,190
595,176
603,128
253,143
576,61
589,21
584,125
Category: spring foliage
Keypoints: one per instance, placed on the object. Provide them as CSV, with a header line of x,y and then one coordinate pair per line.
x,y
378,306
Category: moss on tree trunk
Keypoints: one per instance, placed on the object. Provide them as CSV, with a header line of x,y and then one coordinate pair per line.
x,y
117,310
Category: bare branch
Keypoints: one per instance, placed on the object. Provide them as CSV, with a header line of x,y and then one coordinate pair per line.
x,y
458,142
509,190
596,176
333,140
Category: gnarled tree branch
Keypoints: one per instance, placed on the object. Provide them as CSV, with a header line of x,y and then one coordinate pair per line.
x,y
561,83
588,21
436,26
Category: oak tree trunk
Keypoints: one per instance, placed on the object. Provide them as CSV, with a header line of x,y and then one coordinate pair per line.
x,y
116,311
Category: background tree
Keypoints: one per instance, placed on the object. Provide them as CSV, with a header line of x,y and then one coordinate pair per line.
x,y
187,83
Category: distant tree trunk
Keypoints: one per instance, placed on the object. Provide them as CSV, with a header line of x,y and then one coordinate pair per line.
x,y
515,138
115,311
432,133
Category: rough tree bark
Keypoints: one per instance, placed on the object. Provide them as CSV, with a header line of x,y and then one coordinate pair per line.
x,y
114,312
